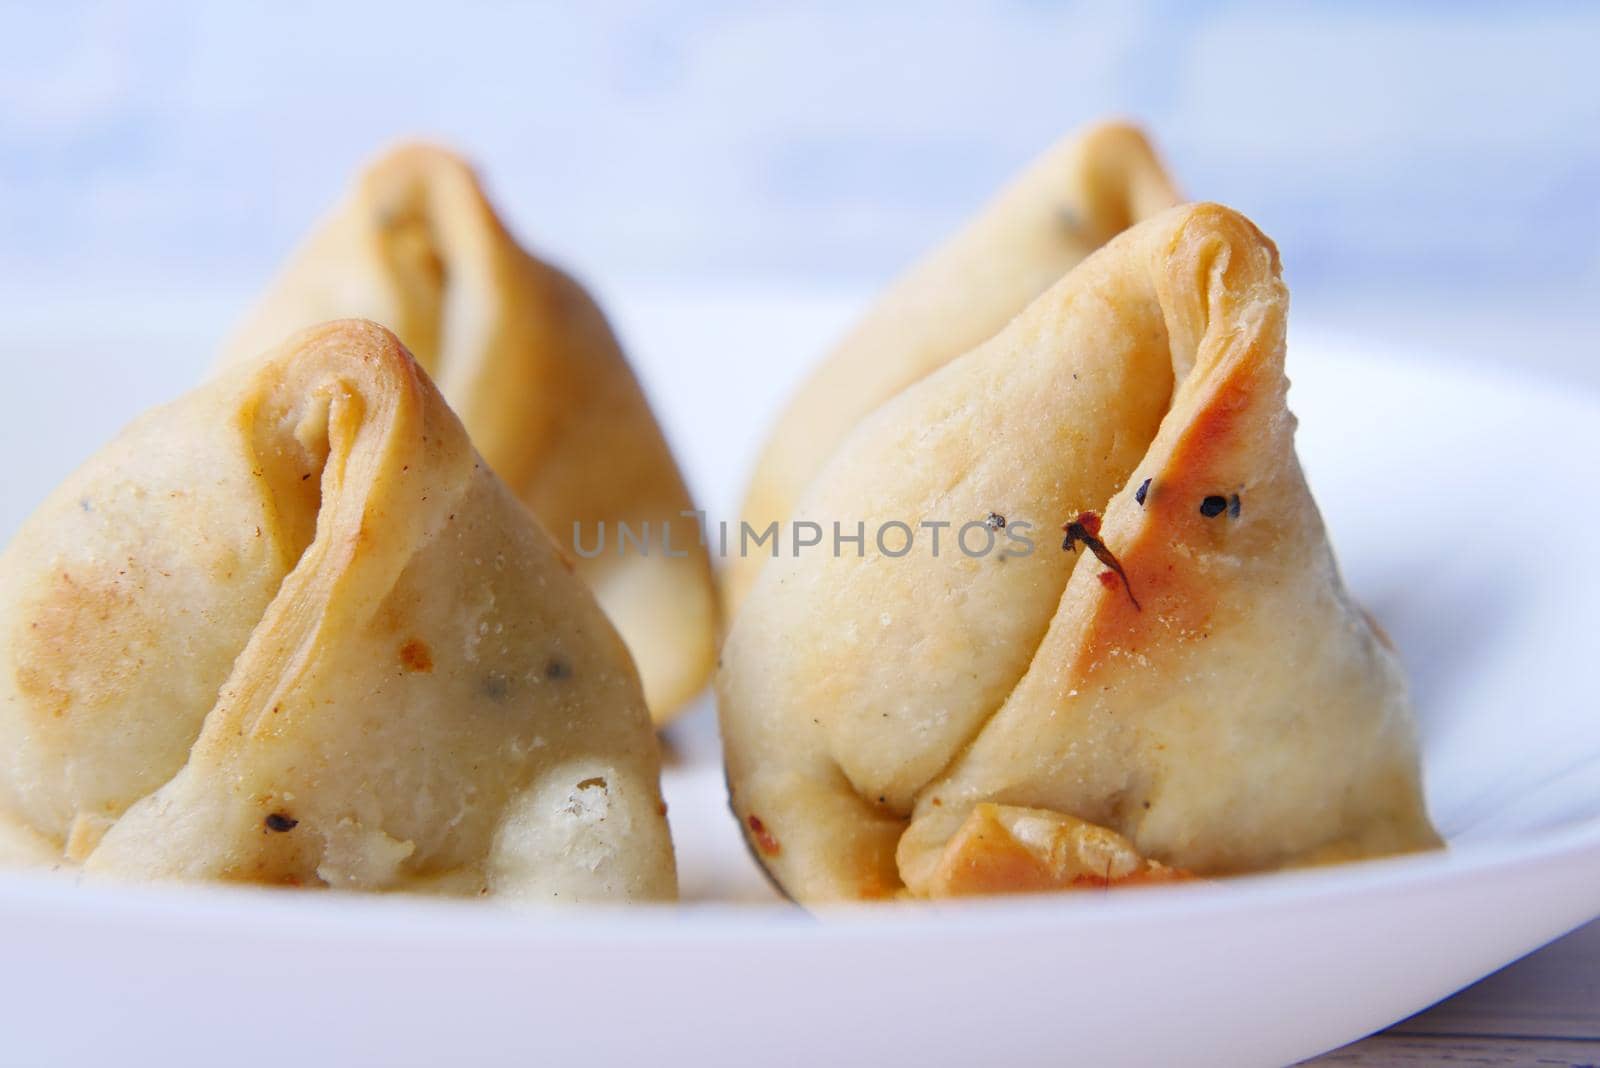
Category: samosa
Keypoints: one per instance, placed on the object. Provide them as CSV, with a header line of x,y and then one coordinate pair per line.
x,y
292,630
1131,658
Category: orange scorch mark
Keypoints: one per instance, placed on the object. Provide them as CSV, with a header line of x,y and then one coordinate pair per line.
x,y
416,656
765,841
53,670
875,889
1159,563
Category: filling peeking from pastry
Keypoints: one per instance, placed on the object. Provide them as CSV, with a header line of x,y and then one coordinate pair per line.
x,y
1069,202
1130,659
292,630
527,360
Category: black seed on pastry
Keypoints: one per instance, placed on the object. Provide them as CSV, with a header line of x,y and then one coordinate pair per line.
x,y
1213,506
557,668
1233,507
496,686
995,521
1139,494
281,822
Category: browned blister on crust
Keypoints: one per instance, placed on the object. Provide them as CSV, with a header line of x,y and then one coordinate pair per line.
x,y
1225,709
527,360
292,630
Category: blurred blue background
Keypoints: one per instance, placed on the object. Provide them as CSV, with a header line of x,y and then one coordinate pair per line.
x,y
1430,172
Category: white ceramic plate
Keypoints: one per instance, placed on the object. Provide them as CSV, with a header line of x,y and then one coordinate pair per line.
x,y
1462,506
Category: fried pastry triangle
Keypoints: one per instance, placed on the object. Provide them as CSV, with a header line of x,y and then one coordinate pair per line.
x,y
1185,669
292,630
